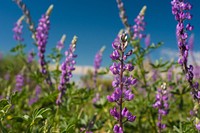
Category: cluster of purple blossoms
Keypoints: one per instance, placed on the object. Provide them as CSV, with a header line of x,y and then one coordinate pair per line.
x,y
97,64
121,83
139,26
41,37
19,83
180,9
18,30
162,105
66,68
37,93
60,44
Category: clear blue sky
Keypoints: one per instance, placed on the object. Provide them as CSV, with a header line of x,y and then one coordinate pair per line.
x,y
95,22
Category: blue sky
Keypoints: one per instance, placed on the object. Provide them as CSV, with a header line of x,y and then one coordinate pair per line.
x,y
96,23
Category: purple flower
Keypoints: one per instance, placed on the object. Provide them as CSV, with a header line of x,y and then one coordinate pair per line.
x,y
18,30
198,126
30,56
115,68
121,83
117,129
139,26
128,95
162,105
123,16
96,98
66,68
42,32
97,64
128,115
114,113
19,79
60,44
115,55
36,97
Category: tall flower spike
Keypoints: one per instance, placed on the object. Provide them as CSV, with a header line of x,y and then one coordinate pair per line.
x,y
18,30
19,83
60,44
66,68
26,12
121,83
181,9
124,19
42,32
97,64
162,105
139,26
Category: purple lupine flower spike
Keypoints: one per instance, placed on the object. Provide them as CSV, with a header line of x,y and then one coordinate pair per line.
x,y
66,68
18,30
162,105
124,19
42,36
121,83
19,83
42,32
97,64
60,44
180,9
139,26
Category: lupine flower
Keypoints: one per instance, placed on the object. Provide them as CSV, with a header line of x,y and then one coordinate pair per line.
x,y
18,30
96,98
19,79
181,9
60,44
42,32
97,64
30,56
26,12
197,125
37,93
117,129
123,16
139,26
162,105
66,68
41,37
121,83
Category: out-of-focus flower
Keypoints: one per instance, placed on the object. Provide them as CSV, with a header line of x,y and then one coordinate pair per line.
x,y
18,30
162,105
60,44
66,68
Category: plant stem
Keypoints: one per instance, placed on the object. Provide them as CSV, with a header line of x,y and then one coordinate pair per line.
x,y
121,87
